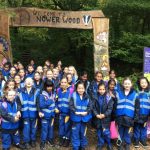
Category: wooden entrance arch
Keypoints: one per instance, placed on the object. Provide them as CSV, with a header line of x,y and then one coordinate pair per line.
x,y
34,17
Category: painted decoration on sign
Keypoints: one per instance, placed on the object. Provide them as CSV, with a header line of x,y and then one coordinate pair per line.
x,y
5,44
86,19
105,64
102,37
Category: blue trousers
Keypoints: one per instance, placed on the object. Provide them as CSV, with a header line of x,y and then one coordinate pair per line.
x,y
103,136
8,138
124,134
140,132
29,130
79,135
47,130
64,127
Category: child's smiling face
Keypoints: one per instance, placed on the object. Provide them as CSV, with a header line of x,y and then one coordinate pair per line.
x,y
17,79
143,83
112,86
64,83
49,74
11,95
127,84
99,77
11,85
49,88
28,83
80,89
101,90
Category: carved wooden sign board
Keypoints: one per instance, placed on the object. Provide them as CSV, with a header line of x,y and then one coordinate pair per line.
x,y
35,17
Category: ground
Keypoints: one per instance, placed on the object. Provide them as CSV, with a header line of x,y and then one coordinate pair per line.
x,y
92,143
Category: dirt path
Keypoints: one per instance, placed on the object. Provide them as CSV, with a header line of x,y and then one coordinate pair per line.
x,y
91,139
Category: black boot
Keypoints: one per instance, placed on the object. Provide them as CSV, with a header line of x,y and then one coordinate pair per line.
x,y
27,146
144,144
98,148
51,143
20,146
120,147
82,148
136,144
127,147
109,147
61,141
66,143
42,146
33,144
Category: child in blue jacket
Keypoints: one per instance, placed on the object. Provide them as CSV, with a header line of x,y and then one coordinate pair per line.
x,y
64,94
10,112
80,107
29,99
125,112
92,90
142,112
47,114
102,109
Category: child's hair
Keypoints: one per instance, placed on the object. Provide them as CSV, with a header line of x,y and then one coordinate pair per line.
x,y
111,81
49,70
139,85
13,68
98,72
64,77
17,75
7,64
101,84
79,82
30,66
28,79
36,72
74,70
83,73
112,71
6,85
126,78
21,70
7,91
48,83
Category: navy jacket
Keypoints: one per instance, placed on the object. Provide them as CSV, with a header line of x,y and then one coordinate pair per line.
x,y
107,108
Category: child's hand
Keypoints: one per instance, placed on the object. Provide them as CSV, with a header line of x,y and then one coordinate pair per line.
x,y
18,114
98,116
112,95
83,113
102,116
16,119
56,110
41,114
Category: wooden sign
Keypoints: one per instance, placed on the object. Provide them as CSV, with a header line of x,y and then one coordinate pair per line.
x,y
50,18
34,17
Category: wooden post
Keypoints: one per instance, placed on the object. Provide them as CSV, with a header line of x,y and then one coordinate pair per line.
x,y
101,55
5,37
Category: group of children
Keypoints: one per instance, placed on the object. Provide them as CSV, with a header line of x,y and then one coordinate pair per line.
x,y
41,97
